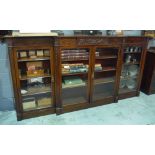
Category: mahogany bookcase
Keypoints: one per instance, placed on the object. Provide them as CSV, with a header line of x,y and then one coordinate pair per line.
x,y
62,74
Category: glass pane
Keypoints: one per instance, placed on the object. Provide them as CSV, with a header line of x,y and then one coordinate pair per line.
x,y
75,67
35,78
130,69
104,72
153,82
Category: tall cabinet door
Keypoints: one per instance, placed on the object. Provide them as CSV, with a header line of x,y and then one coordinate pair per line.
x,y
105,73
75,71
35,78
153,83
132,59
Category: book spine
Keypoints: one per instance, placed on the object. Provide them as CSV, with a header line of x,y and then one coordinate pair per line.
x,y
74,57
74,54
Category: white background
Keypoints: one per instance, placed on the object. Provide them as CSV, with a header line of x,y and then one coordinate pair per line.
x,y
42,16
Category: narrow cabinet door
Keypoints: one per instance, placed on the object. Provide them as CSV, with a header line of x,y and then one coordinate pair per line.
x,y
75,68
132,61
104,73
153,82
35,79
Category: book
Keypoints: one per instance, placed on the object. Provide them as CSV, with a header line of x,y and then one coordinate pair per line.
x,y
29,103
74,54
46,53
44,102
23,54
32,54
40,53
74,57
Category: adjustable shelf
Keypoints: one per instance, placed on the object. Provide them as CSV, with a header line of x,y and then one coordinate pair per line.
x,y
106,70
37,91
131,63
107,57
74,60
33,59
76,73
132,52
73,86
104,80
25,77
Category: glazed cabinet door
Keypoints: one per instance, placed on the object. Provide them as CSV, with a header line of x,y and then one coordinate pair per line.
x,y
132,61
153,81
34,78
74,72
104,73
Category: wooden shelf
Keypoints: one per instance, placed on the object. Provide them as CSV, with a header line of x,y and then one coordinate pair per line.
x,y
79,73
132,52
37,92
66,60
27,77
104,80
106,70
129,77
73,86
107,57
132,63
34,59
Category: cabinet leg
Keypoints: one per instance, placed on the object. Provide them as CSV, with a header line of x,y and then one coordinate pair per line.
x,y
116,99
138,93
19,117
59,111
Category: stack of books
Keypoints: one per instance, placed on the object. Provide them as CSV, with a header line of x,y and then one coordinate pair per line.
x,y
74,54
97,54
98,67
74,68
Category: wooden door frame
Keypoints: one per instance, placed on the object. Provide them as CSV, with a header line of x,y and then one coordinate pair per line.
x,y
58,49
19,105
117,68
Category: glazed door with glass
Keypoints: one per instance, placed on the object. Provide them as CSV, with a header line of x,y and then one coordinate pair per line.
x,y
104,72
35,78
153,81
131,62
75,75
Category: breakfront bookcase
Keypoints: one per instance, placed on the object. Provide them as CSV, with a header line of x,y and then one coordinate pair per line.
x,y
63,74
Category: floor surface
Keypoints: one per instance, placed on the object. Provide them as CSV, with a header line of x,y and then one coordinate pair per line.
x,y
137,110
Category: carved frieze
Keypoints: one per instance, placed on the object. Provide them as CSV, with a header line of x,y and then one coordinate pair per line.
x,y
98,41
68,42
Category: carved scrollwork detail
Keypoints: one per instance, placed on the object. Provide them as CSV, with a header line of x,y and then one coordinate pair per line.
x,y
68,42
93,41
